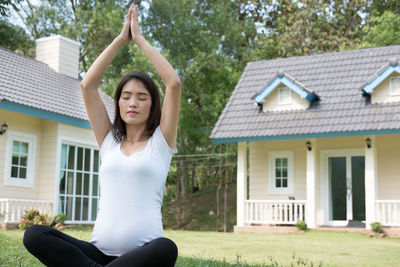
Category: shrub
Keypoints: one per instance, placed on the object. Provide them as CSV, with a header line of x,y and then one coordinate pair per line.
x,y
376,227
33,216
301,225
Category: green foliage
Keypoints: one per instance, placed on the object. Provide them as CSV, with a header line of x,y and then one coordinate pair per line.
x,y
33,216
383,30
197,207
209,42
301,225
4,5
376,227
315,26
15,38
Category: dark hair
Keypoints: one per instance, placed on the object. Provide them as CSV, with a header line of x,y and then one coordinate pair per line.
x,y
119,126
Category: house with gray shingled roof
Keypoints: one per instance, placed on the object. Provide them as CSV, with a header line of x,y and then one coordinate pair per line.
x,y
49,157
321,137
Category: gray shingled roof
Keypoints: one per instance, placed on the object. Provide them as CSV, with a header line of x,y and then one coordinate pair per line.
x,y
336,78
26,81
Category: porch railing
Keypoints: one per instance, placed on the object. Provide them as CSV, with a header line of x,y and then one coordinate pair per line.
x,y
274,211
12,210
388,212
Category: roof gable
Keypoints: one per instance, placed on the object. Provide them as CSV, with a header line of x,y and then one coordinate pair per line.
x,y
286,79
384,72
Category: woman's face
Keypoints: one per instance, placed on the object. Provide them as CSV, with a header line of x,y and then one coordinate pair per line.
x,y
134,103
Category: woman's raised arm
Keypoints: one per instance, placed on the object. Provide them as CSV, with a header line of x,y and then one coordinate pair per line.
x,y
95,108
171,103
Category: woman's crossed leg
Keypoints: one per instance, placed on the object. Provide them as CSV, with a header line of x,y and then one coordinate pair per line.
x,y
54,248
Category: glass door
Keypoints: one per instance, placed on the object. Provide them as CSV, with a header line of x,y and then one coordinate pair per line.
x,y
358,187
338,188
346,175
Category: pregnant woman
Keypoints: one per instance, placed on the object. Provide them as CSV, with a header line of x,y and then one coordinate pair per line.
x,y
136,151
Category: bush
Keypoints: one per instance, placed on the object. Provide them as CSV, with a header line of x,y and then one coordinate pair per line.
x,y
33,216
301,225
376,227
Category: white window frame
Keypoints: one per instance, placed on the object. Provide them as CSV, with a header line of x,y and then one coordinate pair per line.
x,y
66,140
271,177
30,170
391,89
282,101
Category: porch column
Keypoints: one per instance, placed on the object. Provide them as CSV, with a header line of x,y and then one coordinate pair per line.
x,y
311,164
241,182
370,181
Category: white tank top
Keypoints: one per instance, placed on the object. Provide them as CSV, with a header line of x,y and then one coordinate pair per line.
x,y
131,193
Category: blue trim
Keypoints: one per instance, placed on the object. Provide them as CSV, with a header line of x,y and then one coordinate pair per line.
x,y
369,88
268,90
311,97
275,83
304,136
48,115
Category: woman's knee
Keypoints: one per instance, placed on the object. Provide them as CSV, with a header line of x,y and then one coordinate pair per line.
x,y
33,235
167,249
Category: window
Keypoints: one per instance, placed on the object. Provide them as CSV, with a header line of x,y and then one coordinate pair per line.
x,y
284,96
395,86
20,161
79,183
281,172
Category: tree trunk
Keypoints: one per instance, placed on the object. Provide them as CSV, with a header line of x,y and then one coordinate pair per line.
x,y
177,195
225,196
193,176
219,188
183,190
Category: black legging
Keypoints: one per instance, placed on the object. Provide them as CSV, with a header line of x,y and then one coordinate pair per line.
x,y
54,248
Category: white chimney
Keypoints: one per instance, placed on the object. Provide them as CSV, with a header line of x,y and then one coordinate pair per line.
x,y
60,53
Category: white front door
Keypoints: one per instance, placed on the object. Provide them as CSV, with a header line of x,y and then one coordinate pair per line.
x,y
343,188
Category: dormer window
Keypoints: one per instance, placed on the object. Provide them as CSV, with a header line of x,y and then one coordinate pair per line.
x,y
395,86
282,93
284,96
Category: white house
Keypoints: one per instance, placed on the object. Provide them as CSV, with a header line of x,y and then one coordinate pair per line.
x,y
49,157
318,140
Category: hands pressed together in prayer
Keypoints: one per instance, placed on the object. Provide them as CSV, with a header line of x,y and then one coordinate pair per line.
x,y
131,29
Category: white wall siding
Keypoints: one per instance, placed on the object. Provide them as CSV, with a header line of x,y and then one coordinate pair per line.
x,y
48,150
388,149
259,164
25,124
381,93
271,102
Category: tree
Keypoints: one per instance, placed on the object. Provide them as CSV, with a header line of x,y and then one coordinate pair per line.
x,y
92,23
15,38
4,5
311,26
383,30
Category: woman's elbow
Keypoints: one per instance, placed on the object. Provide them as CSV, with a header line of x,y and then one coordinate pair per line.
x,y
175,83
83,85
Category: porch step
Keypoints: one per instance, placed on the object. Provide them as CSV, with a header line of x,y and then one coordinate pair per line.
x,y
355,224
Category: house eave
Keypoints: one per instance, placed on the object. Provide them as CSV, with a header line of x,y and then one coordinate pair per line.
x,y
48,115
303,136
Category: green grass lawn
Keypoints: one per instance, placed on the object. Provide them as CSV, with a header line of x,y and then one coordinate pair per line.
x,y
211,249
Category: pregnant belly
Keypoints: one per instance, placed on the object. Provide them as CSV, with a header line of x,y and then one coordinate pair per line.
x,y
119,236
